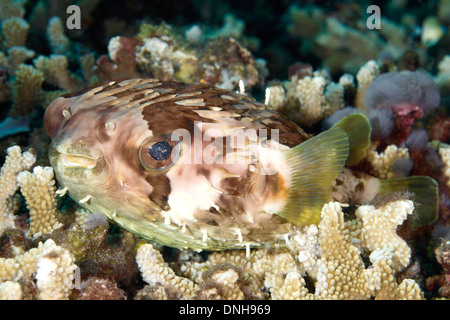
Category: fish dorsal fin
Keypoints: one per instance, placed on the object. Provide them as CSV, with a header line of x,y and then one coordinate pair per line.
x,y
313,166
358,129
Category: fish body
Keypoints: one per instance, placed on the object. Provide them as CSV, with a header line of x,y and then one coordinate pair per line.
x,y
191,166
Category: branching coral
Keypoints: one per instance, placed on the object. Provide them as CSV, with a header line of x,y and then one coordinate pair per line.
x,y
330,255
384,164
16,162
359,258
57,39
38,188
26,88
51,265
156,272
307,100
365,76
55,272
22,83
56,72
15,31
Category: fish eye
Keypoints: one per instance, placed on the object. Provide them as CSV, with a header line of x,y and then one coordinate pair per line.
x,y
160,150
159,153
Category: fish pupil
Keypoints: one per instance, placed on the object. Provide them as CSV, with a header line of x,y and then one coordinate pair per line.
x,y
160,150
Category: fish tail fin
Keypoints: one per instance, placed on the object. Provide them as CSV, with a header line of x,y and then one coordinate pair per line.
x,y
425,191
313,166
358,129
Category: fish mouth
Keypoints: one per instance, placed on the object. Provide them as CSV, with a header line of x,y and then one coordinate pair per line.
x,y
72,160
68,160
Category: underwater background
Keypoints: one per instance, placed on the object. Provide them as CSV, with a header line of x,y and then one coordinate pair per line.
x,y
309,60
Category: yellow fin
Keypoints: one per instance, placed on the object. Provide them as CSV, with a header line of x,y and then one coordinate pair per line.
x,y
313,166
358,129
426,195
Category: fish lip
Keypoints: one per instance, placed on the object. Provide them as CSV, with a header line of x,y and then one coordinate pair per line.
x,y
72,160
68,160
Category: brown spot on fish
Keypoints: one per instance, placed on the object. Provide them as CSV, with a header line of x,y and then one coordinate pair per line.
x,y
161,189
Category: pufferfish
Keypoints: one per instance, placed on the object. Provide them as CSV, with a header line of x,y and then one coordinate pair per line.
x,y
197,167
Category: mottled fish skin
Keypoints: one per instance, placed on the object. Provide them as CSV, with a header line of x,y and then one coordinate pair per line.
x,y
97,135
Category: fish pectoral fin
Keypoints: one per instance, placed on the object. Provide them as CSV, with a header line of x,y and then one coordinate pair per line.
x,y
358,129
426,196
313,166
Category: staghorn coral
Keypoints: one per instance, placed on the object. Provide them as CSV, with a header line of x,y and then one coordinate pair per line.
x,y
82,237
221,282
17,56
15,31
307,100
51,265
330,255
365,76
341,272
15,162
55,272
22,84
310,94
156,272
26,88
38,188
56,37
56,72
383,164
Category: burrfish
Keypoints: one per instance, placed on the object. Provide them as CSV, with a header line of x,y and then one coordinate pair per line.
x,y
198,167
